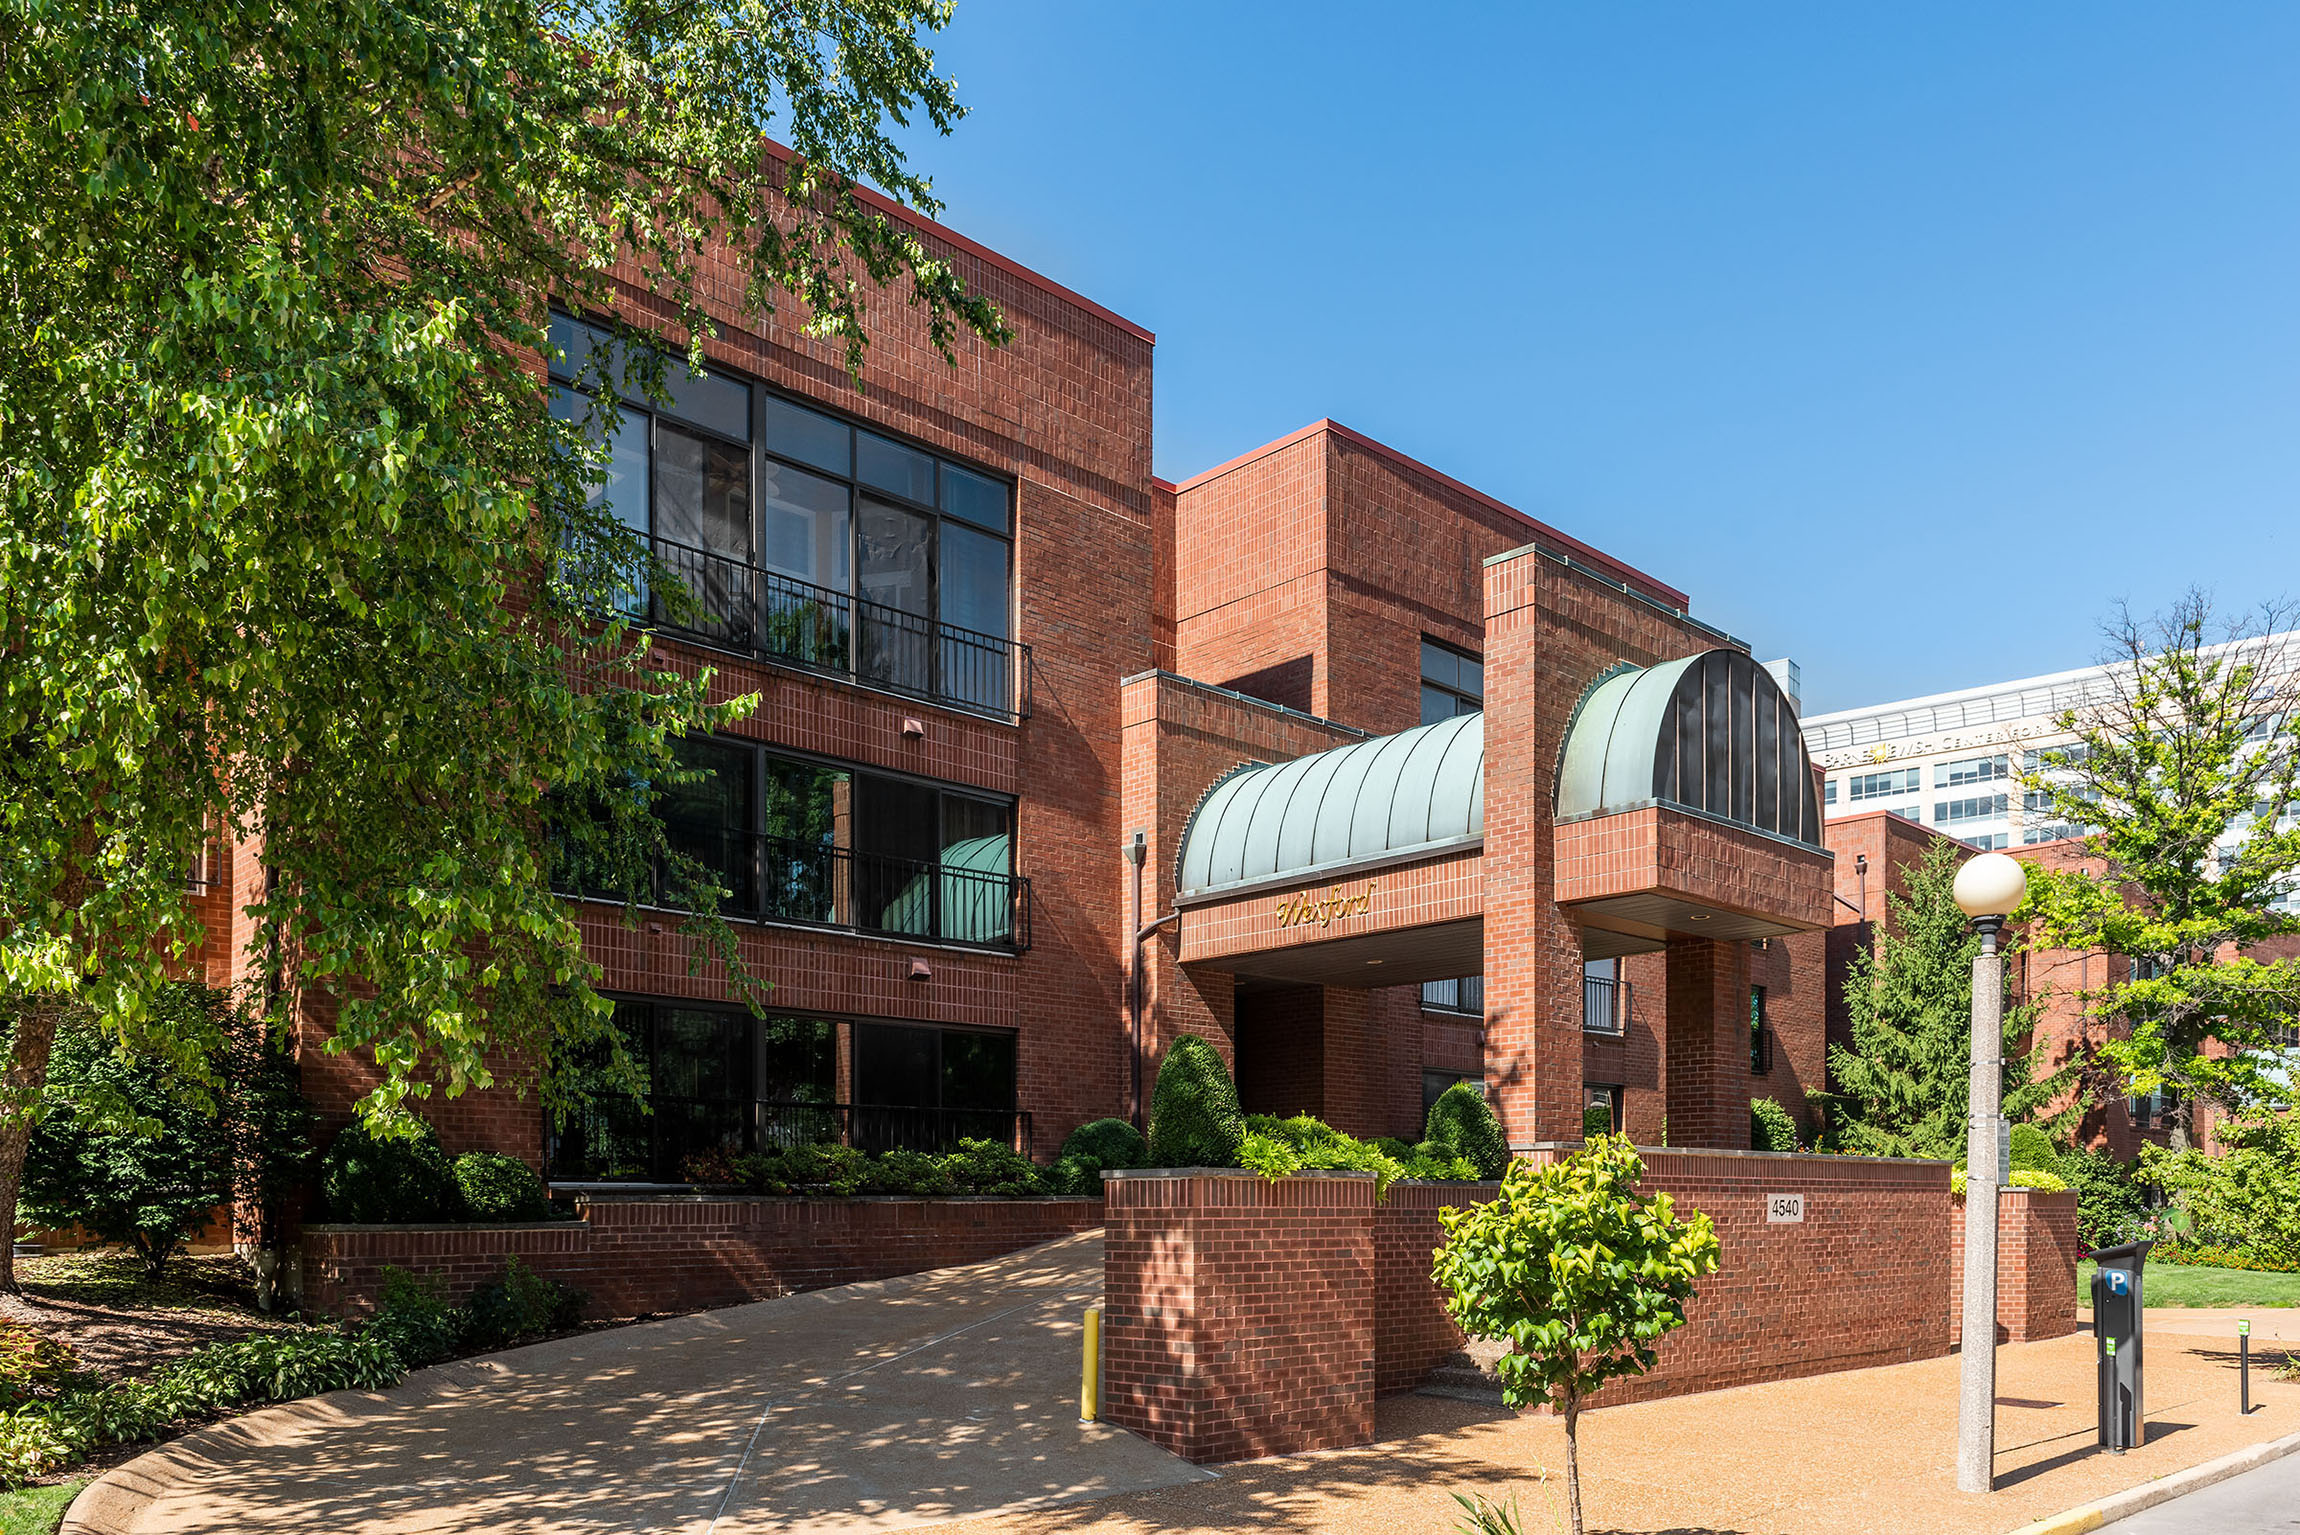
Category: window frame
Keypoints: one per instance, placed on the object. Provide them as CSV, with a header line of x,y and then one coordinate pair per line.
x,y
1453,689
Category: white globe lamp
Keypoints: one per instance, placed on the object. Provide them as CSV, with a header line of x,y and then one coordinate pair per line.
x,y
1990,886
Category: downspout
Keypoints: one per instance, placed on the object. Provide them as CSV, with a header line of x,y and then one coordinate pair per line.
x,y
1137,854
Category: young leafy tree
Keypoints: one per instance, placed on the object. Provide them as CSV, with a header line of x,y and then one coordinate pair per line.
x,y
2187,771
1578,1273
293,550
1903,1089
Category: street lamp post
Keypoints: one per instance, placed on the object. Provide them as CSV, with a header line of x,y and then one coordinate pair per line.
x,y
1988,888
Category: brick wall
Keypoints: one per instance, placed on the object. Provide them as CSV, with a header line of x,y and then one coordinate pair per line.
x,y
636,1256
1238,1315
1412,1333
2037,1253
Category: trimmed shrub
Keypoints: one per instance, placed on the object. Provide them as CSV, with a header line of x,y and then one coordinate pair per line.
x,y
522,1304
992,1167
2032,1151
1391,1146
1462,1124
495,1187
2037,1178
902,1171
1596,1120
1770,1127
413,1317
1075,1174
1112,1143
826,1169
1194,1117
402,1180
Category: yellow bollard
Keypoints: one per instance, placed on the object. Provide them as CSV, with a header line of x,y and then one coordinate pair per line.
x,y
1090,1378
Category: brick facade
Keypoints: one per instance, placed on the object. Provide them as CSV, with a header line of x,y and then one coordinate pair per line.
x,y
645,1256
1238,1315
2037,1253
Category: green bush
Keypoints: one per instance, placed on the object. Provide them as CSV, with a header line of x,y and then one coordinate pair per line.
x,y
2247,1198
2204,1255
495,1187
1112,1143
1279,1148
1462,1124
2038,1178
903,1171
827,1169
1194,1117
414,1319
1596,1120
2032,1151
367,1180
992,1167
522,1304
2109,1200
1075,1174
1770,1127
1391,1146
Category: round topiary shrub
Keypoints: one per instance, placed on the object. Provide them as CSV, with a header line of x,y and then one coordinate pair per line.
x,y
2032,1151
500,1188
1194,1118
1112,1143
367,1180
1462,1124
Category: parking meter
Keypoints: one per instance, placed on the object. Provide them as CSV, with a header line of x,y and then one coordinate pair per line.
x,y
2116,1313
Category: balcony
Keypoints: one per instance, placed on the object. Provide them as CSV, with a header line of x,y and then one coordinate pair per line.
x,y
1465,994
734,605
814,884
1604,1006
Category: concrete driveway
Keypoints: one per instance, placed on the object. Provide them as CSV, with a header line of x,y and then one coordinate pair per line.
x,y
867,1407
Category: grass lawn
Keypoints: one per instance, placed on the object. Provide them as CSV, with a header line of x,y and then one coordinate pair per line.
x,y
2173,1284
36,1510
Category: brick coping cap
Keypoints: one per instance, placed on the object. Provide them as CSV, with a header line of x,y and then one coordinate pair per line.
x,y
1727,1151
1160,674
737,1196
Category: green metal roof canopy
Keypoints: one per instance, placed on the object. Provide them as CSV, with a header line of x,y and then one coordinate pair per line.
x,y
1711,733
1388,800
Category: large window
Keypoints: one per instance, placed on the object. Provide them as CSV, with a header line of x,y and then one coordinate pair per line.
x,y
1981,807
1863,786
808,538
928,1087
719,1082
797,839
1973,770
1453,682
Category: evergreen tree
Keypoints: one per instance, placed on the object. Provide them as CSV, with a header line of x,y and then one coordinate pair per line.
x,y
1903,1089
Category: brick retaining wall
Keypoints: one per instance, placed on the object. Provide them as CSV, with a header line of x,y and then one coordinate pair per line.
x,y
1412,1333
1238,1315
637,1255
2037,1252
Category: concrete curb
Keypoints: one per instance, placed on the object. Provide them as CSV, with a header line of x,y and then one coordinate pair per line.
x,y
2132,1500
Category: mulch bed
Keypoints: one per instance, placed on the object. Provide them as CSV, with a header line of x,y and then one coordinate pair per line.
x,y
121,1323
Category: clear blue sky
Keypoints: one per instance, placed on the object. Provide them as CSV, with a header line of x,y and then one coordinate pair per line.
x,y
1904,338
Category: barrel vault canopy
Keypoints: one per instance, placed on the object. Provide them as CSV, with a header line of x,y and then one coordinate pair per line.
x,y
1388,800
1711,733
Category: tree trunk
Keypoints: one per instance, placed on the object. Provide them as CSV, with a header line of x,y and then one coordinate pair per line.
x,y
1573,1461
20,1090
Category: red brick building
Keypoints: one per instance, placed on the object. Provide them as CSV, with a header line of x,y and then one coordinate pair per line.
x,y
991,650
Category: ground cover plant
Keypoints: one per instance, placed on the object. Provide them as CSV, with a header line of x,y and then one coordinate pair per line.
x,y
1579,1273
36,1510
1279,1148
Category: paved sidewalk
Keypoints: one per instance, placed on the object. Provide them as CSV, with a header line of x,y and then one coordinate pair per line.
x,y
2256,1503
1868,1452
867,1407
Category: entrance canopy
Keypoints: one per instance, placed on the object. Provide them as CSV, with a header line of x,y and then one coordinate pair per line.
x,y
1394,799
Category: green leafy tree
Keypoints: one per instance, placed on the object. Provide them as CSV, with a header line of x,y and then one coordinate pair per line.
x,y
131,1151
2246,1197
292,545
1903,1088
2187,772
1578,1273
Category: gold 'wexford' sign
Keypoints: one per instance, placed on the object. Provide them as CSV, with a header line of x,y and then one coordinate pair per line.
x,y
1309,907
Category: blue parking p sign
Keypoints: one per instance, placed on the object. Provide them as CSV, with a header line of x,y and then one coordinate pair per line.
x,y
2119,1282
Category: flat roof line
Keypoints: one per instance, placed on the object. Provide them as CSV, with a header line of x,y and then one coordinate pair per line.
x,y
1414,465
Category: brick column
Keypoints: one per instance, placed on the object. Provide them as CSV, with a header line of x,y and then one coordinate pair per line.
x,y
1532,952
1706,1043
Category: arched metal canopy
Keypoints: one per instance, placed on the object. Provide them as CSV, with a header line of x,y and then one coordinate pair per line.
x,y
1712,732
1387,800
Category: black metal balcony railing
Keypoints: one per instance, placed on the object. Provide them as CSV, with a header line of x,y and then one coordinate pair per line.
x,y
1761,1050
1464,994
1604,1005
617,1140
739,606
786,879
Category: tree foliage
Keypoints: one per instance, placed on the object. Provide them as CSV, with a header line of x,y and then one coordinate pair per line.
x,y
2187,772
1903,1088
292,546
2247,1197
1578,1273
